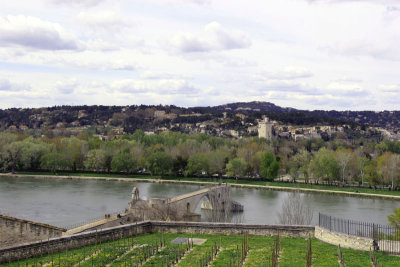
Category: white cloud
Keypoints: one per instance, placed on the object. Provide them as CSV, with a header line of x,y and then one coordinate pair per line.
x,y
346,89
7,86
33,32
163,86
79,3
67,86
101,21
392,88
288,73
214,38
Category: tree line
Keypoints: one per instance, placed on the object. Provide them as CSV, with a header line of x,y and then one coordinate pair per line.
x,y
338,161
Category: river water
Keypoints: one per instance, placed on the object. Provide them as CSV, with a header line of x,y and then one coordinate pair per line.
x,y
65,202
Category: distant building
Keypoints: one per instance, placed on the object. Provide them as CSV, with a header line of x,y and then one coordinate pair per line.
x,y
159,113
266,129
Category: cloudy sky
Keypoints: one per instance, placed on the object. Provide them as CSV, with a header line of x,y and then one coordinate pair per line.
x,y
307,54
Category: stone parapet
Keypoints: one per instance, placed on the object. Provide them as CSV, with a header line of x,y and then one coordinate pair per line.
x,y
345,241
297,231
15,230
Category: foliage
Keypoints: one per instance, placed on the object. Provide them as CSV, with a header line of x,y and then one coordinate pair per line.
x,y
124,162
334,162
325,166
394,219
159,163
198,164
269,166
236,167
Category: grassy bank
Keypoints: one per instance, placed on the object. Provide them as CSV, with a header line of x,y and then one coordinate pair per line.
x,y
157,250
263,184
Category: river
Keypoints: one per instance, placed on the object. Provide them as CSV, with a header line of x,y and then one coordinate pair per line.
x,y
65,202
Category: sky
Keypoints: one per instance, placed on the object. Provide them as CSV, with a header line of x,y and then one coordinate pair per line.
x,y
305,54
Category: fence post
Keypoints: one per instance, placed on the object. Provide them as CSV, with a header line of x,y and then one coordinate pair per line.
x,y
373,231
319,218
330,223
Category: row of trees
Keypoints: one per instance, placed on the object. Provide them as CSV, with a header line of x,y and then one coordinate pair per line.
x,y
172,153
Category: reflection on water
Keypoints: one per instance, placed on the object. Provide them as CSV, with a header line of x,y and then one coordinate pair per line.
x,y
64,202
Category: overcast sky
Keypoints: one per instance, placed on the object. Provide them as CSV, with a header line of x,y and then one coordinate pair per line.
x,y
306,54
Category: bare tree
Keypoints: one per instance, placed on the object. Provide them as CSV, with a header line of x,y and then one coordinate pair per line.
x,y
344,156
295,211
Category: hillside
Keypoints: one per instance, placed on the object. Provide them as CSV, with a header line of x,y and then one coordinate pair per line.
x,y
235,116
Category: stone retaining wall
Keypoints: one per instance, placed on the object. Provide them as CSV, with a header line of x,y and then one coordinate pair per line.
x,y
295,231
89,238
345,241
53,245
14,230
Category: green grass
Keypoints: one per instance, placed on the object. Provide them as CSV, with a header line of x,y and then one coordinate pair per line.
x,y
232,181
128,250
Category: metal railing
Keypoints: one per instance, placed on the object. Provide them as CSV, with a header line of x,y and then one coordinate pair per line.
x,y
385,237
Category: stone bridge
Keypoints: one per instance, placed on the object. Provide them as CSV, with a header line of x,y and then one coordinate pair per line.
x,y
217,199
213,198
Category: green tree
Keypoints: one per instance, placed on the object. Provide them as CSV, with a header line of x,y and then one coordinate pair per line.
x,y
236,167
325,166
12,155
159,163
95,160
371,174
32,151
394,219
388,166
124,162
299,164
52,161
197,164
269,166
343,157
217,161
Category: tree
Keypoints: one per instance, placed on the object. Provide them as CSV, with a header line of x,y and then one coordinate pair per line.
x,y
124,162
217,160
394,219
52,161
325,166
159,163
295,211
269,166
371,174
362,163
343,158
197,164
299,165
236,167
388,165
95,160
179,165
32,151
12,155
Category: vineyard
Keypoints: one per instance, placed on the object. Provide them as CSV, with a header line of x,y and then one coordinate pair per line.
x,y
164,250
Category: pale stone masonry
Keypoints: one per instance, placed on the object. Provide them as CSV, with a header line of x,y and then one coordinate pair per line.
x,y
345,241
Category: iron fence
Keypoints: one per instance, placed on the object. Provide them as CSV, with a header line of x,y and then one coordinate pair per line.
x,y
385,237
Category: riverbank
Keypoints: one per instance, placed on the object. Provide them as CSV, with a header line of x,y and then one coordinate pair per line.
x,y
354,192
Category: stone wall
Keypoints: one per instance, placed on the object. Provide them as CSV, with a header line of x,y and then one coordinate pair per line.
x,y
233,229
345,241
58,244
89,238
14,230
93,237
